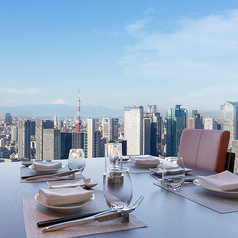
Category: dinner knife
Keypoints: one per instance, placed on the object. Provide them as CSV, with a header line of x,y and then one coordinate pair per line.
x,y
61,174
102,217
64,219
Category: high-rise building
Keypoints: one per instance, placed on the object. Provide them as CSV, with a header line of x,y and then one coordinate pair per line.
x,y
24,139
40,125
66,144
92,141
110,129
209,123
152,124
14,133
133,129
33,128
176,122
229,119
8,119
55,121
51,144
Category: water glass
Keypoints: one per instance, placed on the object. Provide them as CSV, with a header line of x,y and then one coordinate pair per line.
x,y
117,187
113,154
173,175
76,160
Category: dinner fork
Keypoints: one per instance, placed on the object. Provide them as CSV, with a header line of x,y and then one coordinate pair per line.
x,y
104,216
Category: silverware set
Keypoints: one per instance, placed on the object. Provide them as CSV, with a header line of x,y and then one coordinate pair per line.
x,y
100,217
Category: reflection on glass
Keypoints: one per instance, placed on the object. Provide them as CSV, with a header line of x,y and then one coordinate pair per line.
x,y
76,160
117,187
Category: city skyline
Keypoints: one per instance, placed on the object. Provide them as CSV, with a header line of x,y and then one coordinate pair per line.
x,y
119,53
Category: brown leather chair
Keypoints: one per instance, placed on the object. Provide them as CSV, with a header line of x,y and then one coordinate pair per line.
x,y
206,149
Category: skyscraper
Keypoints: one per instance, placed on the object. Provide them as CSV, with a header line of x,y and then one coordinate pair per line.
x,y
152,124
176,122
14,133
8,119
51,144
40,125
209,123
133,129
92,139
110,129
24,139
229,119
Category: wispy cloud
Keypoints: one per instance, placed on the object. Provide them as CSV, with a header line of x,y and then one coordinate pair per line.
x,y
27,91
198,59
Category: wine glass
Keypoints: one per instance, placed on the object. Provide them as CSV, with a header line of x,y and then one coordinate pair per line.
x,y
76,160
117,187
173,174
113,154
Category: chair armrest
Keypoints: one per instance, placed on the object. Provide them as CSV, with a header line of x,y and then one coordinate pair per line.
x,y
230,161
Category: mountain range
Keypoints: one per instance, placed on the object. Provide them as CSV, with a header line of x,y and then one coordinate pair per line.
x,y
62,108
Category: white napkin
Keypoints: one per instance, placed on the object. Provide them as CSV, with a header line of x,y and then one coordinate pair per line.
x,y
222,181
67,183
45,165
144,159
62,196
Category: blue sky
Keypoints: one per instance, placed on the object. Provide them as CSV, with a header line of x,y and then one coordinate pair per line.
x,y
119,53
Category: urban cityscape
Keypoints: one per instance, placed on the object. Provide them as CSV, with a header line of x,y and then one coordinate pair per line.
x,y
142,131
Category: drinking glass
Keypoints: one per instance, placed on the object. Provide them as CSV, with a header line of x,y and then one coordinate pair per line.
x,y
76,160
173,174
117,187
113,154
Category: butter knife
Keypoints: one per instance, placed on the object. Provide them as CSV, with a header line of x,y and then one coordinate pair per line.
x,y
61,174
104,216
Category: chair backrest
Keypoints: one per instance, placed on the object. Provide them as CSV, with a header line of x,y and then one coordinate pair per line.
x,y
205,149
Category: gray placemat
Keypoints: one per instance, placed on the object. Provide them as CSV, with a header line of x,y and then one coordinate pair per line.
x,y
34,213
204,198
25,171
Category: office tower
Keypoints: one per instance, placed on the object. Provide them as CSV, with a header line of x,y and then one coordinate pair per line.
x,y
146,134
78,140
24,139
8,119
14,133
176,122
133,129
51,144
110,129
208,123
92,139
152,124
55,121
197,120
191,123
33,128
66,144
40,125
151,109
229,119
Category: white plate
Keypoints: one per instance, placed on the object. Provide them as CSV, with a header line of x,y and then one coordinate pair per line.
x,y
64,208
142,164
227,194
160,170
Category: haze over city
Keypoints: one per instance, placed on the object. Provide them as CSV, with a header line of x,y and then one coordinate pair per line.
x,y
119,53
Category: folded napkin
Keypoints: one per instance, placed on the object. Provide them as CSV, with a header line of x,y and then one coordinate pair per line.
x,y
144,159
61,196
67,183
222,181
45,165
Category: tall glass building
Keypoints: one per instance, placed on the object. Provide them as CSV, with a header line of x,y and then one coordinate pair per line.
x,y
133,129
176,122
229,119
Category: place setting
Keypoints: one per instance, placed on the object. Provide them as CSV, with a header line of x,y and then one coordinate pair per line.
x,y
45,170
75,208
218,192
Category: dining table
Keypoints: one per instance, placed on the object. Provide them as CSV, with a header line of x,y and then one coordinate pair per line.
x,y
165,213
